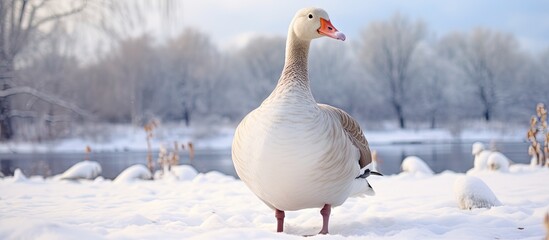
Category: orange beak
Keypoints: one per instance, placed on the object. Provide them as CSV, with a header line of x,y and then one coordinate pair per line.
x,y
327,29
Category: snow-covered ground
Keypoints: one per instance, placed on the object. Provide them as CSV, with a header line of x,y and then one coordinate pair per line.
x,y
216,206
127,138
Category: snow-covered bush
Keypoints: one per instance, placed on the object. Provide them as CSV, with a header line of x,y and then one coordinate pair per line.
x,y
82,170
471,192
481,156
134,172
413,164
18,176
498,162
184,172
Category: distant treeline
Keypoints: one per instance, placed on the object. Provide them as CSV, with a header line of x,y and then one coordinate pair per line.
x,y
395,72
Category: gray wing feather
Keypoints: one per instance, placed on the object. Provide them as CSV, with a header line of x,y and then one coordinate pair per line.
x,y
353,131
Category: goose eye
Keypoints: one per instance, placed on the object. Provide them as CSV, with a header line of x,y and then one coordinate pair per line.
x,y
310,16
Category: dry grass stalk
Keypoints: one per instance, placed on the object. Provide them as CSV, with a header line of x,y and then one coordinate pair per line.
x,y
88,151
163,159
175,156
547,226
191,151
538,124
546,150
149,128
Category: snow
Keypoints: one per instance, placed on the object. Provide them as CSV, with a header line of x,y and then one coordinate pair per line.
x,y
184,172
217,206
471,192
133,173
82,170
477,148
498,162
481,156
416,165
486,159
18,176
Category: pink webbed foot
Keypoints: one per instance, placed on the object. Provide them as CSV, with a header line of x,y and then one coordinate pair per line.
x,y
325,212
279,220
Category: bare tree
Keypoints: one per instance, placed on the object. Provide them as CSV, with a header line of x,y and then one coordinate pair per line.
x,y
261,62
490,61
334,78
19,20
386,52
432,94
25,24
191,73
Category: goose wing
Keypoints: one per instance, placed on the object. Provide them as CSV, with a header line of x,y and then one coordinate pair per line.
x,y
353,131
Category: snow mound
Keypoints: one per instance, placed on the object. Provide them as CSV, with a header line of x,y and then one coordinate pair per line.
x,y
176,173
18,176
212,177
525,168
132,173
30,228
471,192
82,170
184,172
477,148
498,162
413,164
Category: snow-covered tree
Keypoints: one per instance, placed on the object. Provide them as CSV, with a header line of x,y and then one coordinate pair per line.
x,y
387,51
258,65
20,21
489,61
191,75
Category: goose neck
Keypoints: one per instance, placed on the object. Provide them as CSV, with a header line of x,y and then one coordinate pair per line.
x,y
295,64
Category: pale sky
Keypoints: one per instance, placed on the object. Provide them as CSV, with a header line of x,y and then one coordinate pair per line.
x,y
229,23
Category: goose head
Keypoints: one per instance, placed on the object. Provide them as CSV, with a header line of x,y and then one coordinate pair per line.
x,y
311,23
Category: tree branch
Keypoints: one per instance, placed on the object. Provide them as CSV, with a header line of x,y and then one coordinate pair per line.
x,y
60,15
3,34
45,117
46,97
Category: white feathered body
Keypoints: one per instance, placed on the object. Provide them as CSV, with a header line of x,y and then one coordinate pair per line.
x,y
294,155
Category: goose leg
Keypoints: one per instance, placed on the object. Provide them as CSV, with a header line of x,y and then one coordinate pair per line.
x,y
325,211
279,220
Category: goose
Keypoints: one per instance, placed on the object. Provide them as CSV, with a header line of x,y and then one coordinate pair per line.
x,y
294,153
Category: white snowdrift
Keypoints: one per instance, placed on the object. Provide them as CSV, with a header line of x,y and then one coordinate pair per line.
x,y
176,173
416,165
498,162
184,172
82,170
481,156
18,176
471,192
217,206
133,173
